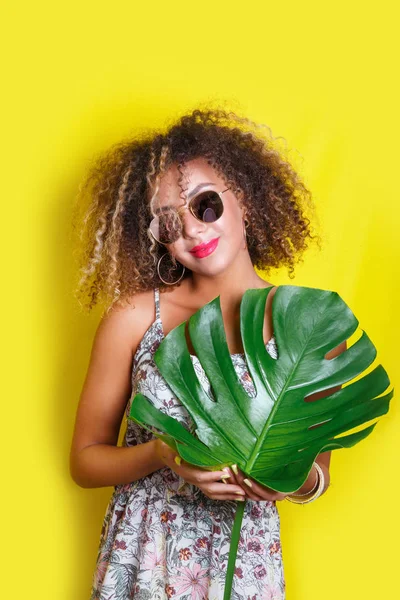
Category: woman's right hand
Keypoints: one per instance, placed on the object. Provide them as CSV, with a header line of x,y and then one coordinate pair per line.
x,y
209,482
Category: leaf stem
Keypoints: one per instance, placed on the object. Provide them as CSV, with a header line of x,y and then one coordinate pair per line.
x,y
235,536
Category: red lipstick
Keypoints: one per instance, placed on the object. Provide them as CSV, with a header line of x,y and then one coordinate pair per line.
x,y
203,250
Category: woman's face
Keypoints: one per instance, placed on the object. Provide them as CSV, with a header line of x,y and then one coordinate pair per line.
x,y
226,234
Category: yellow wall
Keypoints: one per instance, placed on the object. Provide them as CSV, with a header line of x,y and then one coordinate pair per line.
x,y
78,77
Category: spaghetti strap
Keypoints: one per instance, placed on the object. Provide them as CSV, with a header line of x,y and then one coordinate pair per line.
x,y
157,302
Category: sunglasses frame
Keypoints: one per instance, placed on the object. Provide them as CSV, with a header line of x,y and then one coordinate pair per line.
x,y
187,205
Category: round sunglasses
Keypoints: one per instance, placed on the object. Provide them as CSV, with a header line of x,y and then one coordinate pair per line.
x,y
207,207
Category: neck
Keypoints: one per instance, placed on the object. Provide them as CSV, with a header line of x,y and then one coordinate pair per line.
x,y
230,285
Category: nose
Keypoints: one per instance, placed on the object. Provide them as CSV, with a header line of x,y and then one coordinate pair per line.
x,y
191,227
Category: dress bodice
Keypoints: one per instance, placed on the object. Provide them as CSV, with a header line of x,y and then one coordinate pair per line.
x,y
147,380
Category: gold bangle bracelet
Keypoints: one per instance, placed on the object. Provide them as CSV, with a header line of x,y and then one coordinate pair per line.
x,y
316,494
314,487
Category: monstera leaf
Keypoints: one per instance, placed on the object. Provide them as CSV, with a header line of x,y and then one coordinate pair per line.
x,y
274,436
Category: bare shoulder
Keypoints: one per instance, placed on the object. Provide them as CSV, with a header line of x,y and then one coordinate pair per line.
x,y
128,320
268,330
272,291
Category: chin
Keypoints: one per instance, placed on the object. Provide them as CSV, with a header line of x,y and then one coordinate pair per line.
x,y
209,267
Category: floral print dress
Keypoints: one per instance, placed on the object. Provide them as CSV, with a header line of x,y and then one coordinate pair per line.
x,y
161,536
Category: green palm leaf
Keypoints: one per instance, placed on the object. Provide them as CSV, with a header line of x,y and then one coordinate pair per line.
x,y
273,436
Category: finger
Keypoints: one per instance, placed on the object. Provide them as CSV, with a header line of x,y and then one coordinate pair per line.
x,y
251,494
224,498
220,488
234,469
218,491
263,492
236,476
248,485
240,478
267,492
201,477
230,473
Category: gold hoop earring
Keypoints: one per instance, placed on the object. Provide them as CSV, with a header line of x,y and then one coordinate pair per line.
x,y
159,274
244,235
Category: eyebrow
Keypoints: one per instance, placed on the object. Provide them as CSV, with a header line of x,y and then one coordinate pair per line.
x,y
189,196
198,188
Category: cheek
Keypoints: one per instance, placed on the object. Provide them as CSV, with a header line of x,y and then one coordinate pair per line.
x,y
229,226
176,249
179,250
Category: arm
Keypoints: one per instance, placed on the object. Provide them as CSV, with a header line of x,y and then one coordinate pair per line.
x,y
95,458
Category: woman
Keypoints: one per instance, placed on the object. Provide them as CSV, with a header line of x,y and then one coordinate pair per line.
x,y
175,219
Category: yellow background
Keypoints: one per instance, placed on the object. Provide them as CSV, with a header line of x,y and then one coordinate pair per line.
x,y
77,78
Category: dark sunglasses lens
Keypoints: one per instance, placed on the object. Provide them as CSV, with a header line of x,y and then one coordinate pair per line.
x,y
207,206
166,227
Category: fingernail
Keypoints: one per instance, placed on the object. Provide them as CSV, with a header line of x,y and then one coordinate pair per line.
x,y
241,499
226,471
235,469
223,481
248,482
178,460
240,493
226,476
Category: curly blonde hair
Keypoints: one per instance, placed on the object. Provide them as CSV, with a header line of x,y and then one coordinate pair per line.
x,y
117,256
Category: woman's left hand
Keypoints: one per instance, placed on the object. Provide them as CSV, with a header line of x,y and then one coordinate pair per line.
x,y
256,491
